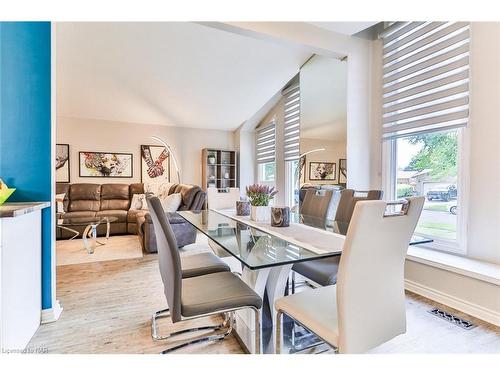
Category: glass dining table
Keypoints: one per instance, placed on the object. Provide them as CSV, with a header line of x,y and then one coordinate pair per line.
x,y
267,254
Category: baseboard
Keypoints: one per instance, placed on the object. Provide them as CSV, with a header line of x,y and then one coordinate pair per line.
x,y
472,309
51,315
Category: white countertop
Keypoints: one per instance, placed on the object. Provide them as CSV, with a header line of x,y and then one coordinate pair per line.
x,y
13,209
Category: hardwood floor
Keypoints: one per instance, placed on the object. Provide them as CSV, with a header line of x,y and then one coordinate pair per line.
x,y
108,306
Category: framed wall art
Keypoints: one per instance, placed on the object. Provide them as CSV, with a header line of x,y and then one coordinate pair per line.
x,y
62,163
322,171
105,164
155,164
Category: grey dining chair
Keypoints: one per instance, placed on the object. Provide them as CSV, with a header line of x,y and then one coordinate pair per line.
x,y
316,203
195,297
324,271
367,305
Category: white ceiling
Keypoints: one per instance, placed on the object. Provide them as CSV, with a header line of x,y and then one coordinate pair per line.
x,y
323,99
174,74
347,28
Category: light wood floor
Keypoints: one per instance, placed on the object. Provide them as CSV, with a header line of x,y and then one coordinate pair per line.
x,y
108,306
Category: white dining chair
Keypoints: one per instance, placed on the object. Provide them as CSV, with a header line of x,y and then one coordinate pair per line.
x,y
367,305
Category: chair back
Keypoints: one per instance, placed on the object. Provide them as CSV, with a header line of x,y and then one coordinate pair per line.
x,y
370,281
221,200
348,200
168,257
316,203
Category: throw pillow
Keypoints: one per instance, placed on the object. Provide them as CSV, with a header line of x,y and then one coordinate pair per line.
x,y
60,203
172,202
159,189
139,202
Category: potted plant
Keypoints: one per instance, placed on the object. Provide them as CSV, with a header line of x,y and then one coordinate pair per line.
x,y
259,197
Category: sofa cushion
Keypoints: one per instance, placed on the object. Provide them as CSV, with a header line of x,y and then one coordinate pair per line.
x,y
188,194
79,214
120,214
115,197
137,188
84,197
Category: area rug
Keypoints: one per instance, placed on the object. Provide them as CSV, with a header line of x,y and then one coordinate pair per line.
x,y
117,247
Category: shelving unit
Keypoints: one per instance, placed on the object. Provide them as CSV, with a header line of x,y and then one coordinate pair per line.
x,y
219,169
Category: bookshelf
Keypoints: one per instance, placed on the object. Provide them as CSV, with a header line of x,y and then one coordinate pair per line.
x,y
219,169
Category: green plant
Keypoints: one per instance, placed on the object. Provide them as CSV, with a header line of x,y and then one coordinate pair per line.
x,y
404,190
260,195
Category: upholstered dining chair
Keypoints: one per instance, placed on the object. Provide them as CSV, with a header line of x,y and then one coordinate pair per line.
x,y
198,296
316,203
324,271
367,305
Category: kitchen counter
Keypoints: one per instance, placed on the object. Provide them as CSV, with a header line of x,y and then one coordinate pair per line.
x,y
14,209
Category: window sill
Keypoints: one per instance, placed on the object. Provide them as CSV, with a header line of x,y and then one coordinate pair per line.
x,y
477,269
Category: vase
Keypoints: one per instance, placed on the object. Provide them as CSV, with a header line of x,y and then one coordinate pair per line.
x,y
260,213
242,208
280,216
211,160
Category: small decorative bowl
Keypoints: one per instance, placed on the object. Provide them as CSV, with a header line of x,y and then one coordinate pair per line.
x,y
5,194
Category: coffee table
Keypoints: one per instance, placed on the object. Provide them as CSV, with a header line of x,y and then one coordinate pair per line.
x,y
89,235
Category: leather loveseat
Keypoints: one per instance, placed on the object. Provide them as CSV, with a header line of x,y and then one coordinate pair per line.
x,y
95,200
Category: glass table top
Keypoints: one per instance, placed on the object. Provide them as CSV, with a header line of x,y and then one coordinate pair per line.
x,y
74,221
257,249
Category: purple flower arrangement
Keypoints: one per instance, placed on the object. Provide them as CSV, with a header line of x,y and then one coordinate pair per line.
x,y
260,195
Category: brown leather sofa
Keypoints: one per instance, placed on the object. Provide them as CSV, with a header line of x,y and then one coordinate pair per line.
x,y
95,200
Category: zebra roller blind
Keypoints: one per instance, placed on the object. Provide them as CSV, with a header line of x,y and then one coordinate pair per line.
x,y
425,77
266,143
291,96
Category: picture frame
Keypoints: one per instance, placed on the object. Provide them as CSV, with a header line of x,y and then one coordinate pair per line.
x,y
106,164
342,171
155,163
322,171
63,170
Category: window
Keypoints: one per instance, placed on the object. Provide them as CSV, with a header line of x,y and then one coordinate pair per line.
x,y
267,173
292,184
425,107
266,153
427,165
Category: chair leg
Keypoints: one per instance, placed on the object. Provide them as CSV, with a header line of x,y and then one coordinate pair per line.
x,y
279,319
257,331
165,313
218,337
293,282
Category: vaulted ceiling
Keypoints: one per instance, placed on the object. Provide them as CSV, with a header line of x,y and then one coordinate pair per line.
x,y
172,73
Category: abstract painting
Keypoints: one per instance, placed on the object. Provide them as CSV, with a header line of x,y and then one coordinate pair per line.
x,y
155,164
62,163
322,171
105,164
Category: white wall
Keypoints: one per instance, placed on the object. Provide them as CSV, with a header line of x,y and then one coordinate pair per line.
x,y
244,143
109,136
484,171
333,152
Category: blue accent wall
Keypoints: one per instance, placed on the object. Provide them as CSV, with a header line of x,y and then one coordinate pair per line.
x,y
25,126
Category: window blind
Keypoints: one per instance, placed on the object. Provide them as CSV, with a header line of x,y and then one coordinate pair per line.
x,y
266,143
291,96
425,77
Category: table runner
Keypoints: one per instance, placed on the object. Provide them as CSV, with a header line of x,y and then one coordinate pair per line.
x,y
317,240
